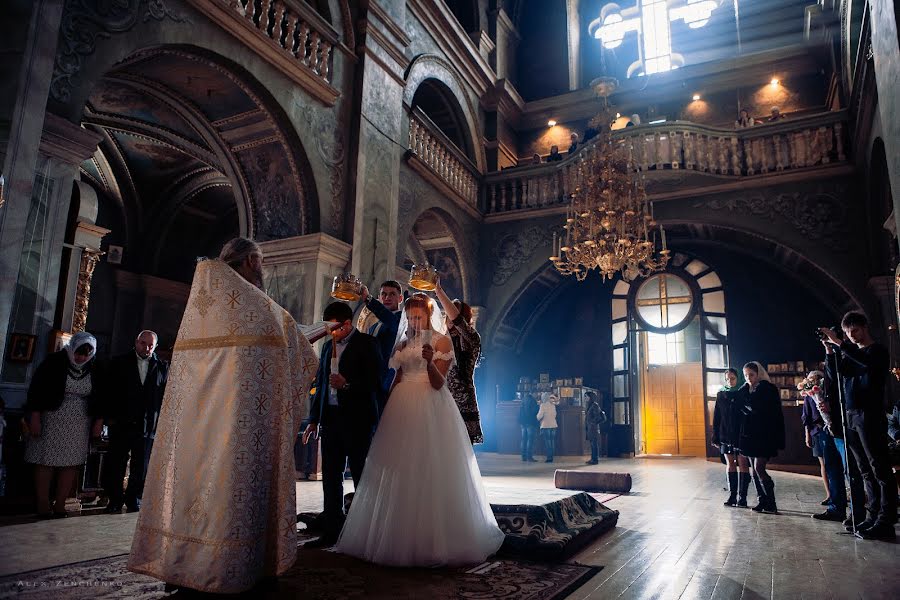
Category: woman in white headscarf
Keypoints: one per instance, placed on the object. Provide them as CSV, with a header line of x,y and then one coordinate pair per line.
x,y
64,414
762,431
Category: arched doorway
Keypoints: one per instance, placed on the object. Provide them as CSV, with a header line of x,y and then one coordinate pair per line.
x,y
194,152
669,336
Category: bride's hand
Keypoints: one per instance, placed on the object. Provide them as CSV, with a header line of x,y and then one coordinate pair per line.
x,y
427,353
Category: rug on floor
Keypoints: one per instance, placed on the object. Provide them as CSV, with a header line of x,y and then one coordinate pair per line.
x,y
318,574
554,530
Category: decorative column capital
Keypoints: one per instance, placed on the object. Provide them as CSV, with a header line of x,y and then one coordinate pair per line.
x,y
63,140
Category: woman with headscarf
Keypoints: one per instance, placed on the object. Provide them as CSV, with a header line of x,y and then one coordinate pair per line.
x,y
762,430
727,420
64,414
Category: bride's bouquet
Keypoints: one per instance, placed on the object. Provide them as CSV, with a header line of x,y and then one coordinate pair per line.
x,y
812,387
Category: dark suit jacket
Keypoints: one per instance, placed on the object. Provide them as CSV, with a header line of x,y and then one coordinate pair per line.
x,y
360,364
48,385
132,407
386,336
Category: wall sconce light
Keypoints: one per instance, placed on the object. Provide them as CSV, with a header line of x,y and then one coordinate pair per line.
x,y
774,82
696,96
551,123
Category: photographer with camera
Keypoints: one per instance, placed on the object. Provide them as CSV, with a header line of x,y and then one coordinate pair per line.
x,y
863,365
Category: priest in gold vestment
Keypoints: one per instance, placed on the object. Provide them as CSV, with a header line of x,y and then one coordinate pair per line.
x,y
219,507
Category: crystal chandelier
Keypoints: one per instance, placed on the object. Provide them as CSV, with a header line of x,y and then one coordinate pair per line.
x,y
609,223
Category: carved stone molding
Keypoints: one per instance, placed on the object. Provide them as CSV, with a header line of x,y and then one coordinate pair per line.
x,y
515,250
66,141
817,215
86,22
316,247
329,145
89,258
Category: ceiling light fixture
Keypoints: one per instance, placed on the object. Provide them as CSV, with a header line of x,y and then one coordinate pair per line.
x,y
774,82
696,96
551,123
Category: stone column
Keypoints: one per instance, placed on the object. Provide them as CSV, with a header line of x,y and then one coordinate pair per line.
x,y
378,140
573,30
884,27
32,308
884,325
298,272
20,148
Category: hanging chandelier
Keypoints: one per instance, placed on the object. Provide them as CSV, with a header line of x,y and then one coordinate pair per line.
x,y
609,221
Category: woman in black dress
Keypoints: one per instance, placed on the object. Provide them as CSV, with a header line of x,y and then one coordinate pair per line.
x,y
727,420
762,430
467,347
64,414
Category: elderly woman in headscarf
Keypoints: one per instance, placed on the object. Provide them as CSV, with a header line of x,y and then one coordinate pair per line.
x,y
64,415
762,430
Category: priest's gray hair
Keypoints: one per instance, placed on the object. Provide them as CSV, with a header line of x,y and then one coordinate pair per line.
x,y
236,251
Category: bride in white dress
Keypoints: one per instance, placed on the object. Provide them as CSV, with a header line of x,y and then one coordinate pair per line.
x,y
420,501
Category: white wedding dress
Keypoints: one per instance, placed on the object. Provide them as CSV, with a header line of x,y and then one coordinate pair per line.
x,y
420,501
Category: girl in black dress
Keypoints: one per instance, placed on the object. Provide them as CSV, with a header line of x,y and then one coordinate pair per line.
x,y
762,430
727,420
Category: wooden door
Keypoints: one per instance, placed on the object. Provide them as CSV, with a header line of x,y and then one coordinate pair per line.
x,y
673,410
660,419
689,409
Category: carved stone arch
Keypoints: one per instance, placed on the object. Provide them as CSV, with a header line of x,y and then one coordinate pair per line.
x,y
526,290
247,144
429,66
458,237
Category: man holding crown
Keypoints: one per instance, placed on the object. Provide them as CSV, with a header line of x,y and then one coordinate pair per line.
x,y
219,507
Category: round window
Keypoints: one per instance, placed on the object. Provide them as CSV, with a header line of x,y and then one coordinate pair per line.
x,y
665,302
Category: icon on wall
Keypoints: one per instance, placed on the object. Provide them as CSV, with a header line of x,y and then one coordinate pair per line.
x,y
114,255
21,347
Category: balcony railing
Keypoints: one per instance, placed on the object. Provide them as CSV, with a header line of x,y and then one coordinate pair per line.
x,y
787,145
287,33
439,160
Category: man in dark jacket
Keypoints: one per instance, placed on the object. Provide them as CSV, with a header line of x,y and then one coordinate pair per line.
x,y
529,424
138,382
344,411
387,309
863,367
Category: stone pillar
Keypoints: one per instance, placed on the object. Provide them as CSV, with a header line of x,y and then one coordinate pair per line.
x,y
506,40
573,30
35,276
298,272
379,142
20,148
884,325
884,27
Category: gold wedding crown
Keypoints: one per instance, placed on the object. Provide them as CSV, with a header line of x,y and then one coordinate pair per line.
x,y
346,286
423,277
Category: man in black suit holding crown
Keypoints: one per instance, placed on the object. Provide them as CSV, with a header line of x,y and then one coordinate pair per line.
x,y
387,308
344,412
138,384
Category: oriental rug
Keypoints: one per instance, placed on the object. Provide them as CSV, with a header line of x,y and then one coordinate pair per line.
x,y
323,575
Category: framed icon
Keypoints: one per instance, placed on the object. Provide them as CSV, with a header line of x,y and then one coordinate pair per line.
x,y
114,255
21,347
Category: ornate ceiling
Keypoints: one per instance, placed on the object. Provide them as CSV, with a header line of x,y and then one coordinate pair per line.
x,y
192,156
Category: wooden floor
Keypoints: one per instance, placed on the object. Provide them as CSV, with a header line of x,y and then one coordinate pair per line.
x,y
674,538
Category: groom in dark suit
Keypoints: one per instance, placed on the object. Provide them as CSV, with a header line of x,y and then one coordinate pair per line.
x,y
344,411
387,308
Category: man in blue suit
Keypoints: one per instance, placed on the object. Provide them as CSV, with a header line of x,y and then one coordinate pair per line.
x,y
385,330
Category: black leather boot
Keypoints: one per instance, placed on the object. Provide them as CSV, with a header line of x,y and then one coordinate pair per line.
x,y
760,492
743,486
732,488
769,485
